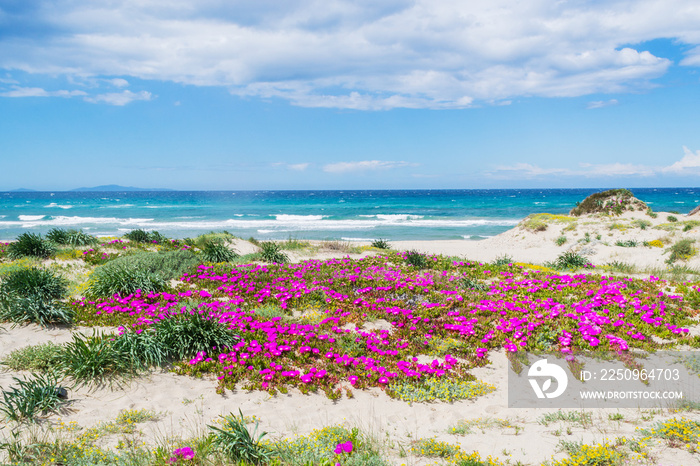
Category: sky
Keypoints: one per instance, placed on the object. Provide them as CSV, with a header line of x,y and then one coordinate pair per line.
x,y
363,94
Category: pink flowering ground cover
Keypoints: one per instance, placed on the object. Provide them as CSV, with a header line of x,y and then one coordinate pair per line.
x,y
340,324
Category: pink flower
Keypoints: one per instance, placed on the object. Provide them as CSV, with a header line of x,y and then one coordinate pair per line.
x,y
343,448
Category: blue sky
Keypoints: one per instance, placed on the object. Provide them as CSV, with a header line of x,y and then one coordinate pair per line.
x,y
310,94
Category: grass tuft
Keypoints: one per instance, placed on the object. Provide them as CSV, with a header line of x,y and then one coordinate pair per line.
x,y
30,245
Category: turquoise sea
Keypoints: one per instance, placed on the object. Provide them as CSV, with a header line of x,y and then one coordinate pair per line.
x,y
345,215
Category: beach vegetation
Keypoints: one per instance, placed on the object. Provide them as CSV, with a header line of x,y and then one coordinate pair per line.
x,y
93,359
610,202
669,226
123,279
30,245
656,243
569,260
439,389
32,295
218,251
583,418
381,244
74,238
651,213
271,252
677,432
193,334
641,224
682,250
34,358
560,241
539,222
630,243
31,396
416,259
620,267
672,219
233,439
503,260
293,244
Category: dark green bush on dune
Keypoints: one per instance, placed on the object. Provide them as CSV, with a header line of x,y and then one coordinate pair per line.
x,y
30,245
70,237
218,251
185,335
32,295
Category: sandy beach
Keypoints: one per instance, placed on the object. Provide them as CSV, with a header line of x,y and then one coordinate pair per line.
x,y
185,405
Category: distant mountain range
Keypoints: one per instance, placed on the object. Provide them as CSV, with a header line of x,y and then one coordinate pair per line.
x,y
116,187
103,188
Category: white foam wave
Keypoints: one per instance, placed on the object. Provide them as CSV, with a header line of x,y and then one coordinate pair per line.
x,y
393,216
65,206
345,238
118,206
282,223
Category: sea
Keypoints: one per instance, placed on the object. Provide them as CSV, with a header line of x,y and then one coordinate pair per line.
x,y
363,215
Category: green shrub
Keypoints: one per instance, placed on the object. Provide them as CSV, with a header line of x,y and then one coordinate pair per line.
x,y
34,357
31,396
121,279
626,244
218,251
137,236
672,219
651,213
381,244
32,245
93,359
570,260
166,264
234,440
442,388
612,202
185,335
560,240
271,252
31,295
70,237
505,259
642,224
416,259
681,250
143,349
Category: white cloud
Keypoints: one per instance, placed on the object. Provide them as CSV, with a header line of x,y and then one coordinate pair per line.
x,y
118,82
615,169
528,170
364,165
689,163
119,98
292,166
39,92
601,103
361,54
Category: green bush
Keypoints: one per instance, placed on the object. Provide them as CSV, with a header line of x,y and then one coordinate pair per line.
x,y
141,236
165,264
123,280
184,335
32,245
560,240
570,260
503,260
381,244
271,252
626,244
681,250
31,396
672,219
93,358
218,251
234,440
31,295
70,237
613,201
416,259
143,349
34,358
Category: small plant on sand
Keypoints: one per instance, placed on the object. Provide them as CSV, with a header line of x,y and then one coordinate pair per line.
x,y
570,260
682,250
218,251
271,252
672,219
654,244
123,280
31,295
32,245
34,358
626,244
651,213
641,224
239,445
381,244
31,396
502,260
560,240
416,259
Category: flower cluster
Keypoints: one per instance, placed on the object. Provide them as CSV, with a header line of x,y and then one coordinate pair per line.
x,y
180,455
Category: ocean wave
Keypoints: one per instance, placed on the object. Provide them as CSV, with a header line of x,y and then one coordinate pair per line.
x,y
118,206
345,238
60,206
393,216
282,223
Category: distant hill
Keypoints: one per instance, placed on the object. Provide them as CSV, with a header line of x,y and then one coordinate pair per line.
x,y
115,187
23,190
